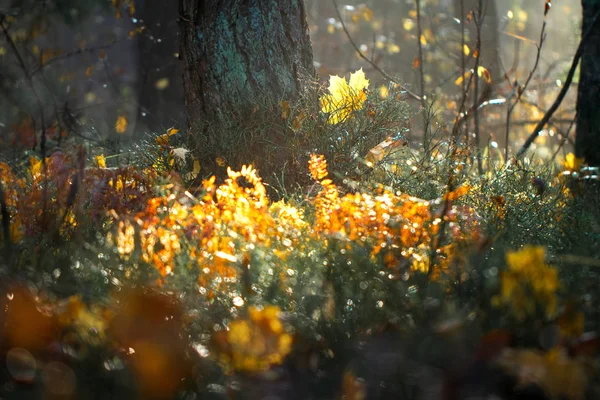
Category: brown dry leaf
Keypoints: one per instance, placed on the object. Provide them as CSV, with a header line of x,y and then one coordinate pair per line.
x,y
379,152
469,17
221,162
297,123
285,109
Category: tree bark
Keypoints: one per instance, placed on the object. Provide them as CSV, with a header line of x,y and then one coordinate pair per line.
x,y
587,144
237,55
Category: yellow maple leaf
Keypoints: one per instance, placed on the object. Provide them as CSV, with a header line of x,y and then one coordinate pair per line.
x,y
121,124
344,97
285,109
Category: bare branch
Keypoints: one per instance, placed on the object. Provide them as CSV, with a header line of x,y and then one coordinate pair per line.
x,y
563,91
368,60
40,105
521,90
478,23
73,54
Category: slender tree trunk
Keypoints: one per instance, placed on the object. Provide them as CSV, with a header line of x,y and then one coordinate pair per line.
x,y
160,90
587,144
489,57
239,55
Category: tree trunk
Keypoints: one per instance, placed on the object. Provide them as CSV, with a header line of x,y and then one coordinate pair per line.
x,y
239,55
489,57
587,144
160,87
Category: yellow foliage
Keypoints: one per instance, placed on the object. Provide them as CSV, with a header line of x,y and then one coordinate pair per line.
x,y
383,92
163,140
254,343
395,227
344,97
529,284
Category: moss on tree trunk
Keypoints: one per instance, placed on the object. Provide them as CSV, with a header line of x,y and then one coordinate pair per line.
x,y
240,55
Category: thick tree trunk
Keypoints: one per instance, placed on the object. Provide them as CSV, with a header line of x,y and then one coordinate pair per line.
x,y
587,144
239,54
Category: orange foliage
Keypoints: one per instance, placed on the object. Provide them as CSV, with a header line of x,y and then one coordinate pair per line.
x,y
218,231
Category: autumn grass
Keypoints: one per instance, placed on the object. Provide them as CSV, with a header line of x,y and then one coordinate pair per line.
x,y
147,260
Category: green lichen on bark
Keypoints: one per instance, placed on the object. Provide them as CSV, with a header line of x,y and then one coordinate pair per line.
x,y
241,50
241,56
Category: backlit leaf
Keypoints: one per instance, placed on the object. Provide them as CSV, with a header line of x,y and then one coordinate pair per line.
x,y
162,84
121,124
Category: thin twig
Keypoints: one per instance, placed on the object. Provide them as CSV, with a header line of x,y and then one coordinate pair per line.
x,y
422,79
478,22
563,91
450,186
420,49
40,105
564,139
463,58
364,57
73,54
521,90
573,259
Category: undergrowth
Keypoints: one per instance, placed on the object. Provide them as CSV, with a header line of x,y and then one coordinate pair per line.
x,y
353,270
